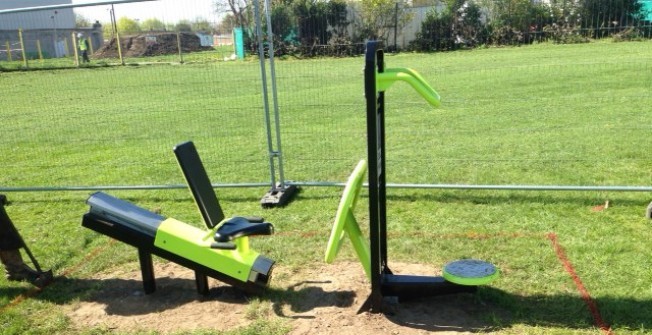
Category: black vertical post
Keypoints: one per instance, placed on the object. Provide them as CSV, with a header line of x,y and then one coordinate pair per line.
x,y
147,270
383,281
376,158
395,27
201,281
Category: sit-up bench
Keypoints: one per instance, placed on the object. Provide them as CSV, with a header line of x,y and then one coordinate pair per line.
x,y
221,251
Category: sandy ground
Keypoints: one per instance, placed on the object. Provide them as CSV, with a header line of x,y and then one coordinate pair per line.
x,y
320,300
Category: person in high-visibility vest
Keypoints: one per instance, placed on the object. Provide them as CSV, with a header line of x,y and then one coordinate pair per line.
x,y
83,47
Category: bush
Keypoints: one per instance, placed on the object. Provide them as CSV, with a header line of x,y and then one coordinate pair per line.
x,y
564,34
507,35
458,26
436,33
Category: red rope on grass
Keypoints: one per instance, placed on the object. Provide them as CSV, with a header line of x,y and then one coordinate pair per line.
x,y
590,303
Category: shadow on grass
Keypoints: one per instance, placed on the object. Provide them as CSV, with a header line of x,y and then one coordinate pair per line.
x,y
488,310
126,296
493,309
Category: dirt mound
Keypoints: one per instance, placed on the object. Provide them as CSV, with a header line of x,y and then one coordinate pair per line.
x,y
151,44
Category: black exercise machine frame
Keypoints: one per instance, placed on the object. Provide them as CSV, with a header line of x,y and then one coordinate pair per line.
x,y
383,281
143,236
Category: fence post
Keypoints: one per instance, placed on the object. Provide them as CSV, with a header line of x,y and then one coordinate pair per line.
x,y
9,59
40,52
117,39
74,46
395,26
179,47
22,47
279,193
238,43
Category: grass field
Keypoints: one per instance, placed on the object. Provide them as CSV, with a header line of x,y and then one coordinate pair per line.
x,y
543,114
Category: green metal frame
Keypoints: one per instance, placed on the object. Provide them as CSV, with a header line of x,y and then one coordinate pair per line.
x,y
195,244
346,224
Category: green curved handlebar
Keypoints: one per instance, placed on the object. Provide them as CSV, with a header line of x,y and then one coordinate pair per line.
x,y
385,79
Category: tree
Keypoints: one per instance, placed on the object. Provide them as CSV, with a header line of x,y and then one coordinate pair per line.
x,y
128,26
152,24
107,31
202,25
183,25
318,21
81,21
282,20
517,21
376,18
312,21
227,24
240,9
436,32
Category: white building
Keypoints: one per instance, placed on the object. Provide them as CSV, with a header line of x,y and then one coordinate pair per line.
x,y
42,19
48,31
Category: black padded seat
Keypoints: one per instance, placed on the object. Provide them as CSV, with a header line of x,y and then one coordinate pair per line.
x,y
240,226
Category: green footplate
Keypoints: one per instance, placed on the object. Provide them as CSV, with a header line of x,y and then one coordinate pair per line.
x,y
471,272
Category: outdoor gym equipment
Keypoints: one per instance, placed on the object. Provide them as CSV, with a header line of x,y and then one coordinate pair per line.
x,y
43,277
458,276
221,251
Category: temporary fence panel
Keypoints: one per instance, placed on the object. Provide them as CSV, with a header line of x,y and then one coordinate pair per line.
x,y
106,126
530,116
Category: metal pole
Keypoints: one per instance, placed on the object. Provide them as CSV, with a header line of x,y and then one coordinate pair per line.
x,y
568,188
39,50
263,74
395,26
54,38
114,25
9,59
22,47
279,194
277,121
527,187
117,35
120,187
179,47
74,46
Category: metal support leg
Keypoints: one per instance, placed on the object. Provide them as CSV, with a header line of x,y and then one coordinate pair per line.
x,y
201,280
147,270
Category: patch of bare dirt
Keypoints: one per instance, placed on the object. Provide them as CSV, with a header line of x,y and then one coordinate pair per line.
x,y
319,300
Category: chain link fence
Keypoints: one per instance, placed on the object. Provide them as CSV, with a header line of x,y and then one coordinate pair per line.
x,y
123,120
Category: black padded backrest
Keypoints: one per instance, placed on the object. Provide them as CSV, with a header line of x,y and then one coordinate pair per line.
x,y
200,185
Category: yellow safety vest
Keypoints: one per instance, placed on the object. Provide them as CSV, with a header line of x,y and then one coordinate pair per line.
x,y
83,44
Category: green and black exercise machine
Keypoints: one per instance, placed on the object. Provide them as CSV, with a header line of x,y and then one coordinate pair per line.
x,y
220,251
458,276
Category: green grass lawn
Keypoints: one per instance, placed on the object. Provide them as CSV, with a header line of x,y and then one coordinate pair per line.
x,y
537,115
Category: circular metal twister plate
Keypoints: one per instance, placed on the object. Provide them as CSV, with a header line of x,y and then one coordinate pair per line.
x,y
470,272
